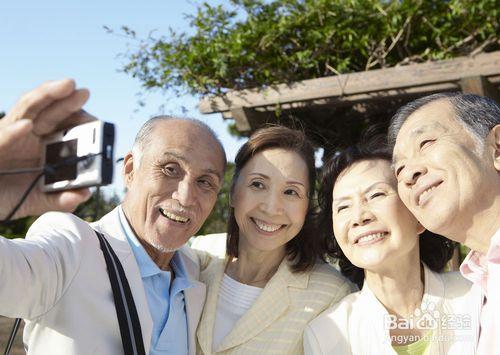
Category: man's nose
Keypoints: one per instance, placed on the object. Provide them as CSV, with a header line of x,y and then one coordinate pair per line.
x,y
185,193
412,173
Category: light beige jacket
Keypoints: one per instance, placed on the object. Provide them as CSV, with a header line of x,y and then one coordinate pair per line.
x,y
357,325
275,323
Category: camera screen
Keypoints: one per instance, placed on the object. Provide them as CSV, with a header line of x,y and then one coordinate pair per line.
x,y
56,154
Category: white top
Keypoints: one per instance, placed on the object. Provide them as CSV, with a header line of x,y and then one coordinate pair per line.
x,y
359,324
235,298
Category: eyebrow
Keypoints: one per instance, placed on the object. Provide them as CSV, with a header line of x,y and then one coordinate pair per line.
x,y
174,155
417,132
364,191
423,129
291,182
183,159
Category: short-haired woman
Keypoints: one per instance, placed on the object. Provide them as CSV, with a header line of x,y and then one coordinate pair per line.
x,y
406,305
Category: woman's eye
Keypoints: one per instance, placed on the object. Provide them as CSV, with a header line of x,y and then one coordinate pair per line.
x,y
426,142
291,192
257,185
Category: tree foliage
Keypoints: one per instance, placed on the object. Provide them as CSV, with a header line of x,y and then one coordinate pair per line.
x,y
97,206
254,43
217,221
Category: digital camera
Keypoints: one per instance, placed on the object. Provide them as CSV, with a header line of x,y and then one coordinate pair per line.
x,y
81,156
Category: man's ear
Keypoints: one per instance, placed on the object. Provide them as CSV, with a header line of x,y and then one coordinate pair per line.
x,y
128,169
494,141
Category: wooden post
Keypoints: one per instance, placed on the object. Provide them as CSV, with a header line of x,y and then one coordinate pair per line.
x,y
479,85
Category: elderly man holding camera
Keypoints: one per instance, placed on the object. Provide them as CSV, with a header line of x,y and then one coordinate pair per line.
x,y
447,162
57,279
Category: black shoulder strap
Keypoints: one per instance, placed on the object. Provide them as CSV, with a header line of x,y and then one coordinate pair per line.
x,y
128,319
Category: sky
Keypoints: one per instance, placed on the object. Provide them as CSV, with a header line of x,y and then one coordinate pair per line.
x,y
54,39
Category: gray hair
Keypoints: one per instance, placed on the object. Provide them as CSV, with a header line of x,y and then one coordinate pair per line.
x,y
143,137
478,114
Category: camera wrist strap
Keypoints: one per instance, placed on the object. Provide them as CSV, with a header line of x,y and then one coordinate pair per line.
x,y
128,319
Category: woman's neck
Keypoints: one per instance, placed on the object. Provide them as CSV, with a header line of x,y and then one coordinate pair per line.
x,y
400,289
254,267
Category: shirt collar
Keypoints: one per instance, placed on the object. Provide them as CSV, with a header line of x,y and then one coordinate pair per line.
x,y
475,265
147,267
181,280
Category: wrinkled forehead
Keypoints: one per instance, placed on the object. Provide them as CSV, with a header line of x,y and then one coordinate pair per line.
x,y
362,175
280,163
188,140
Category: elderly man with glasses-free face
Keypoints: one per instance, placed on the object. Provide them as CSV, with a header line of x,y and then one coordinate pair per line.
x,y
447,161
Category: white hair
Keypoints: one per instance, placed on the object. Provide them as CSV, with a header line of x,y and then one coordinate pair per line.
x,y
477,114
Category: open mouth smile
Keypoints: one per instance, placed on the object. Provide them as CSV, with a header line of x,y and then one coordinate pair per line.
x,y
266,227
423,195
370,238
173,217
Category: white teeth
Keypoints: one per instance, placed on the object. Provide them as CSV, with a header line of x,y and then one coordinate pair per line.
x,y
173,217
423,194
370,237
267,227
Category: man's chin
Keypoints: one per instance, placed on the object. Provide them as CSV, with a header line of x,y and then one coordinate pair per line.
x,y
439,222
166,247
169,245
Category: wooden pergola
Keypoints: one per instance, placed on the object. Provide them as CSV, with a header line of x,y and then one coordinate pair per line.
x,y
334,110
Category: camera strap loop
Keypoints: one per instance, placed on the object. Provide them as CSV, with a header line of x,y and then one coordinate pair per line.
x,y
128,319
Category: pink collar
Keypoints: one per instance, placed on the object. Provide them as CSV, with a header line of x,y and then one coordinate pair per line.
x,y
475,265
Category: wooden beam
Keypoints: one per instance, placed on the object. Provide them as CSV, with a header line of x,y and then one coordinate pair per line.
x,y
480,85
357,98
398,80
246,119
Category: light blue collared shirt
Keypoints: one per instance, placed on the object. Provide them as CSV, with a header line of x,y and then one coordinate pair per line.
x,y
165,298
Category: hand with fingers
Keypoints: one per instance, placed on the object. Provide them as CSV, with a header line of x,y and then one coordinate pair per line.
x,y
46,109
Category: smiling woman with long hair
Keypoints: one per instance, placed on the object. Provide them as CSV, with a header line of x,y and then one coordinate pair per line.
x,y
271,284
406,305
